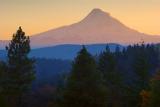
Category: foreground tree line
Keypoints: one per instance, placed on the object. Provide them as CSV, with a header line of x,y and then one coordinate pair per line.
x,y
103,83
128,77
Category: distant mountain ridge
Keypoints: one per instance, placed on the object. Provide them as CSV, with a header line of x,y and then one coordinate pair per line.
x,y
66,51
97,27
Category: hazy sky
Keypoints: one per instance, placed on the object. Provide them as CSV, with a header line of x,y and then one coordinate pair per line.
x,y
40,15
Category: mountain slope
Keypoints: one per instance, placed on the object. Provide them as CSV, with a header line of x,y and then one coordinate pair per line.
x,y
97,27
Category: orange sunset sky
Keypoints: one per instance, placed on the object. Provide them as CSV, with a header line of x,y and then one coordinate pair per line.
x,y
36,16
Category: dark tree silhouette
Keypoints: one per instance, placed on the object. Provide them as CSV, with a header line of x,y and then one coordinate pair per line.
x,y
141,67
155,93
21,71
3,80
112,77
84,87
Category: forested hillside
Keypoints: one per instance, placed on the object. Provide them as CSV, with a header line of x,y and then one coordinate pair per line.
x,y
127,77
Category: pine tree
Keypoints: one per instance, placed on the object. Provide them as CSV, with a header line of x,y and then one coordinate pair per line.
x,y
85,85
141,68
155,91
21,71
112,77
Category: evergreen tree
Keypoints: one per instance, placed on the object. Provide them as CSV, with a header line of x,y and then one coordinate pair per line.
x,y
21,71
141,72
112,77
155,91
84,87
141,68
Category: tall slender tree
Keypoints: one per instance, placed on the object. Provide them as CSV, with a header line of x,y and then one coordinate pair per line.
x,y
112,77
21,70
140,67
85,85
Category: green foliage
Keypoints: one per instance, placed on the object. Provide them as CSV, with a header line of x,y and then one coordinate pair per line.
x,y
84,87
